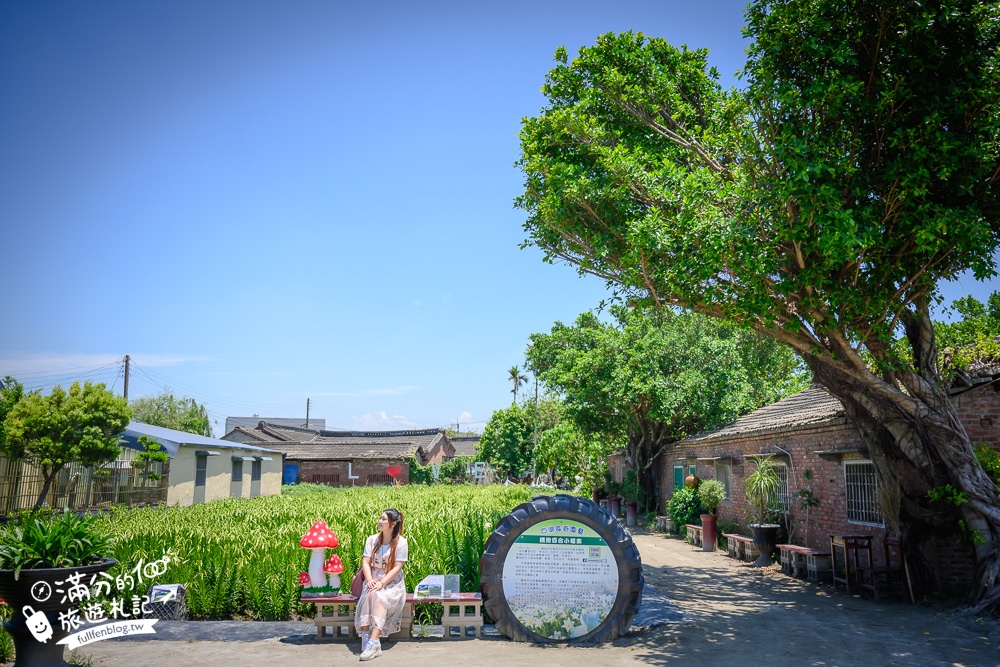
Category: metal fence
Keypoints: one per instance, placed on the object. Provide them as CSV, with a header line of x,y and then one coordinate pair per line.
x,y
78,487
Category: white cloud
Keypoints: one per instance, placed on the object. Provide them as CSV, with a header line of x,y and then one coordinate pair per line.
x,y
382,421
466,416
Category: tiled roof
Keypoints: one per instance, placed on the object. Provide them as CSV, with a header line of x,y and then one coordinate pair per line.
x,y
465,446
314,452
425,438
813,406
251,422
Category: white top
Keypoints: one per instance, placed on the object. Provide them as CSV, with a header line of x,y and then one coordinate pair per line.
x,y
402,551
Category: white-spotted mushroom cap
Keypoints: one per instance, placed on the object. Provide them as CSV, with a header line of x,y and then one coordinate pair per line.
x,y
334,566
319,537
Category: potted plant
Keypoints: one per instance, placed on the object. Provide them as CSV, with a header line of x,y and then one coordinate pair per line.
x,y
612,489
37,551
633,495
711,492
761,486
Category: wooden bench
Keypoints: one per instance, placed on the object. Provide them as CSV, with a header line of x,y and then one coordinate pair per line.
x,y
693,534
461,613
741,547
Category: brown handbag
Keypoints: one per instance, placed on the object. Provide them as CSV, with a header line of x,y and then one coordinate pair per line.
x,y
358,582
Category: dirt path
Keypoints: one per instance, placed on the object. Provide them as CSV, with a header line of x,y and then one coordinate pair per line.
x,y
726,614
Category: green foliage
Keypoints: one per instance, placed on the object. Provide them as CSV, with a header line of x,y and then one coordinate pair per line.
x,y
948,494
6,641
712,493
11,391
41,540
168,411
452,472
507,441
761,486
631,491
80,425
652,376
989,459
240,557
684,507
566,449
151,451
517,378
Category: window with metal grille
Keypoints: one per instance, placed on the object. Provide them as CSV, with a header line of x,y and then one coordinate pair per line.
x,y
782,495
326,478
862,493
379,478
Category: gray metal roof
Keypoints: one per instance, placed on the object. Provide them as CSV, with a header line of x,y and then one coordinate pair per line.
x,y
812,406
170,440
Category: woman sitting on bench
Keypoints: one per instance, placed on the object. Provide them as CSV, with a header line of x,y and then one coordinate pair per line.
x,y
380,607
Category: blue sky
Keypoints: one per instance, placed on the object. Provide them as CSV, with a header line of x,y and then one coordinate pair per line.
x,y
266,202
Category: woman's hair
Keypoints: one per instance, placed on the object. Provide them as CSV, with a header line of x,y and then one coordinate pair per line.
x,y
396,518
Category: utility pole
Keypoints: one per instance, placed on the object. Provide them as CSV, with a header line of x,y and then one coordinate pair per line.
x,y
128,360
307,413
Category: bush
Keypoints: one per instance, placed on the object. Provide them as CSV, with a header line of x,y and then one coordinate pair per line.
x,y
452,472
711,492
684,507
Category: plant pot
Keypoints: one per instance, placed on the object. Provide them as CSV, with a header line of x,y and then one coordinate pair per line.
x,y
630,510
709,532
28,651
615,505
765,537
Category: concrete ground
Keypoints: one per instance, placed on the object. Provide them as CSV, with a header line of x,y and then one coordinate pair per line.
x,y
700,609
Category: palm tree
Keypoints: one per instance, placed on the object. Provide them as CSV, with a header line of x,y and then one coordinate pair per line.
x,y
517,378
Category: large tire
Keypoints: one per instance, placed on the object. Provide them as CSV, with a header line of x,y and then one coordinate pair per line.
x,y
582,510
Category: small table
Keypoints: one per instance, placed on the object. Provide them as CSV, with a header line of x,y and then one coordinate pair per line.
x,y
851,546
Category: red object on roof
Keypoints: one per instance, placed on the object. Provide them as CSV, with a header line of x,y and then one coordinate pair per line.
x,y
319,537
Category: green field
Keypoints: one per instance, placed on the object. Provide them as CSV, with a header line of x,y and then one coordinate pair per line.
x,y
240,558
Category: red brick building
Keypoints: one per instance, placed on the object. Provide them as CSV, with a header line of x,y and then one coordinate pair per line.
x,y
809,432
347,458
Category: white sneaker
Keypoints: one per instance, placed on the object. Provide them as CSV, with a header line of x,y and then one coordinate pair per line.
x,y
373,649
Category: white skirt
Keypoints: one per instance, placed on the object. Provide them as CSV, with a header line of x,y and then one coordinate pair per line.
x,y
381,609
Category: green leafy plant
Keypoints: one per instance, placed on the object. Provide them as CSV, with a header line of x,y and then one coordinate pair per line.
x,y
683,508
611,488
631,490
44,541
760,486
6,641
712,493
151,451
953,496
989,459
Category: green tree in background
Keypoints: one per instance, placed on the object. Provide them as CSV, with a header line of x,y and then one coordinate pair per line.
x,y
168,411
517,378
81,425
506,442
820,204
11,391
653,376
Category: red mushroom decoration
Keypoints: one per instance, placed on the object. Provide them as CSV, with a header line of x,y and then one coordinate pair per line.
x,y
303,578
334,567
319,538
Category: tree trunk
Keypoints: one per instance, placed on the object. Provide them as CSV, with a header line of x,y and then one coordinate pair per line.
x,y
47,477
917,438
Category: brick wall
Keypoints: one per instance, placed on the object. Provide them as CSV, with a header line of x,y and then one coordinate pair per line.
x,y
361,468
978,409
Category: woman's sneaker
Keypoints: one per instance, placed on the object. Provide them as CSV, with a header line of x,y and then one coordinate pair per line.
x,y
373,649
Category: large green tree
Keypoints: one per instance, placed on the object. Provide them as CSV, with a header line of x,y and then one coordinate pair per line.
x,y
653,376
168,411
81,425
820,204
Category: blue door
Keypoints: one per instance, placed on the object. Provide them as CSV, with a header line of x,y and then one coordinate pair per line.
x,y
290,474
